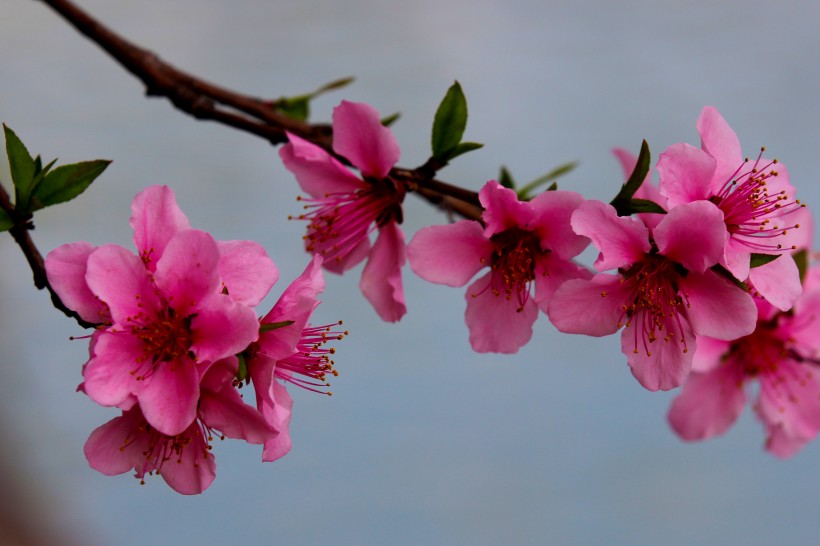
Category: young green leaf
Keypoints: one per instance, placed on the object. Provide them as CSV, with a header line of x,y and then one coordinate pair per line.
x,y
645,205
387,121
463,148
66,182
449,122
22,166
5,221
268,326
762,259
297,108
621,201
801,258
524,194
505,178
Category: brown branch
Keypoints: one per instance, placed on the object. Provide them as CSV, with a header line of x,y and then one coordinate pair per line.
x,y
207,101
20,233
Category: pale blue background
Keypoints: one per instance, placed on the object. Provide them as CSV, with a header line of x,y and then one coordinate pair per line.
x,y
424,441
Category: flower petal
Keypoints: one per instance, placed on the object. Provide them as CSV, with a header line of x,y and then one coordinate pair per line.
x,y
246,271
550,273
358,135
716,307
709,403
66,267
169,396
117,446
594,307
686,174
778,281
188,274
551,222
155,219
692,234
664,363
495,324
622,240
317,172
279,417
502,209
189,472
110,374
719,141
381,281
450,254
118,277
222,328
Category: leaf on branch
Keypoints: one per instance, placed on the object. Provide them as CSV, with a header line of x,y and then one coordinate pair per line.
x,y
66,182
644,205
5,221
801,258
449,123
622,200
268,326
23,167
298,107
525,193
463,148
505,178
387,121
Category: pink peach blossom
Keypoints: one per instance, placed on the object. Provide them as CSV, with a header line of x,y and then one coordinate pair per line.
x,y
525,244
782,355
184,460
663,294
761,214
343,209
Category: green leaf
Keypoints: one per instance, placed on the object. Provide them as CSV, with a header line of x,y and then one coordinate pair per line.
x,y
463,148
332,86
552,187
801,258
23,168
297,108
505,178
723,272
267,327
645,205
524,193
762,259
5,221
622,200
449,122
242,371
66,182
387,121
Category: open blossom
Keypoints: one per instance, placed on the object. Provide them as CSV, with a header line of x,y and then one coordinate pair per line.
x,y
184,460
290,350
781,355
343,209
663,294
525,244
166,313
757,201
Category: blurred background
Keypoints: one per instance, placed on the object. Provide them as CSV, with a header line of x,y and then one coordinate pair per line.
x,y
424,441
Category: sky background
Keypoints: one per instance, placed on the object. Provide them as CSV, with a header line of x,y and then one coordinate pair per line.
x,y
424,441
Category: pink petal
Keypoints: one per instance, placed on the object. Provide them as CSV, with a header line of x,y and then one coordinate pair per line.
x,y
736,257
781,444
169,396
502,209
593,307
709,403
359,135
551,222
155,219
246,271
350,260
187,274
117,446
716,307
495,324
190,473
110,376
278,416
709,354
226,412
66,268
450,254
664,363
778,281
381,281
686,174
622,240
317,172
719,141
222,328
692,234
118,277
295,304
550,273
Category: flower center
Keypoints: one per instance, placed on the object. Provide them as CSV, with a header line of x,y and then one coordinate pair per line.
x,y
513,264
167,338
760,352
752,211
655,311
312,360
338,222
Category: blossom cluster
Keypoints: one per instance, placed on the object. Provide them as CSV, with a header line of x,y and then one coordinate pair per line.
x,y
703,285
176,336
